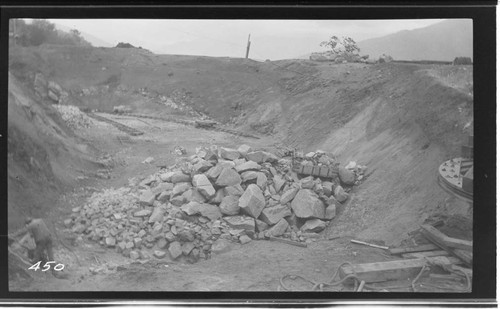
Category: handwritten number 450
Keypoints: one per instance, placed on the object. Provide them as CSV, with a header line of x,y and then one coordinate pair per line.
x,y
46,267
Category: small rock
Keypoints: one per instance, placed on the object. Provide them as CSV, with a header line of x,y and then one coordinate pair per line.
x,y
221,246
134,255
245,239
147,198
278,183
228,177
175,250
307,182
229,205
162,187
248,175
157,215
187,248
164,196
261,180
236,190
159,254
340,194
248,166
110,241
166,177
148,160
244,149
229,154
313,226
271,215
161,243
203,185
180,188
202,166
278,229
261,225
288,195
241,222
330,212
214,172
219,195
327,188
261,157
180,177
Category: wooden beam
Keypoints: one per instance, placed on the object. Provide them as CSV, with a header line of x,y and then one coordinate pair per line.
x,y
392,270
427,247
287,241
445,240
416,255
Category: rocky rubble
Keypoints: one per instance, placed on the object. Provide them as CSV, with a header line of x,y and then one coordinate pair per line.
x,y
73,117
207,201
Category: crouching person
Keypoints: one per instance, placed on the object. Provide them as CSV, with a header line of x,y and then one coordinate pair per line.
x,y
43,240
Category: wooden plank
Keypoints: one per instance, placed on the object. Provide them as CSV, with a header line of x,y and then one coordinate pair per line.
x,y
439,239
464,255
289,242
445,240
392,270
416,255
427,247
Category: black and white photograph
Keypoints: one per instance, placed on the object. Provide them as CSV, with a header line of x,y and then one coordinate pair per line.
x,y
241,155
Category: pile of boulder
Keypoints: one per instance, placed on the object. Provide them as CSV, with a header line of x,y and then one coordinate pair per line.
x,y
206,201
73,116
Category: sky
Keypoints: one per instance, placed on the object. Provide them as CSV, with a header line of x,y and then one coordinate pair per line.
x,y
270,39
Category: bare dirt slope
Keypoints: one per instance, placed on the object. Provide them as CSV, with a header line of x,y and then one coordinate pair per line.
x,y
399,120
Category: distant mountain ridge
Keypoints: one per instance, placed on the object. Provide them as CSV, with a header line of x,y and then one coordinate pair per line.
x,y
95,41
442,41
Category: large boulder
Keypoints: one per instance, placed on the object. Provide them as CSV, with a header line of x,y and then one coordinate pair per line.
x,y
271,215
229,154
278,229
242,222
261,157
228,177
347,176
203,185
247,166
252,202
229,205
307,205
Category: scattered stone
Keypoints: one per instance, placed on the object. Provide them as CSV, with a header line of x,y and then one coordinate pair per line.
x,y
210,211
261,225
307,182
134,255
146,198
245,239
278,183
179,176
327,188
110,241
219,195
159,254
346,176
261,157
215,171
307,205
340,194
180,188
148,160
229,205
175,250
252,202
248,166
228,177
178,200
203,185
162,187
236,190
241,222
248,176
229,154
187,248
164,196
261,180
278,229
244,149
166,177
221,246
271,215
202,166
157,215
288,196
313,226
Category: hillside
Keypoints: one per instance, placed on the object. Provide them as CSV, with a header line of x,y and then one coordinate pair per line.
x,y
442,42
401,121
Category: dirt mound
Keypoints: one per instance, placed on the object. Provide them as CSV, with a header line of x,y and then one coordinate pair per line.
x,y
43,154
